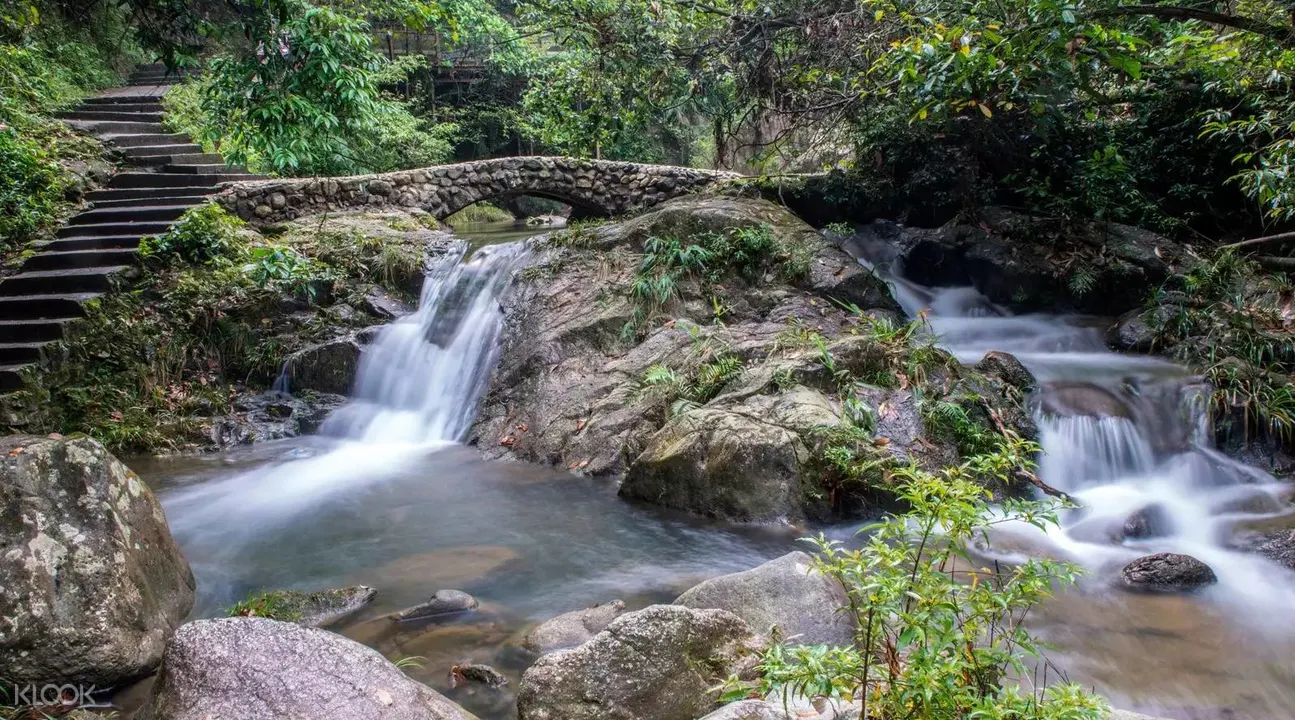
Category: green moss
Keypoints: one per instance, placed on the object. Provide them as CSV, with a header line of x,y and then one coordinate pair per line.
x,y
283,605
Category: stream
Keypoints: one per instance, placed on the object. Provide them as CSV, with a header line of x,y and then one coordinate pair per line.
x,y
386,496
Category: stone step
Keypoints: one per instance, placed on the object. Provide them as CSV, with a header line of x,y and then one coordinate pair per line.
x,y
11,378
145,106
137,213
167,150
129,241
146,193
168,199
114,228
70,259
65,306
76,280
97,115
123,99
25,331
146,139
161,180
116,127
179,160
20,353
216,168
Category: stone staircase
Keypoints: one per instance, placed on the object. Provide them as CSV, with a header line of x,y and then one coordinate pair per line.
x,y
163,175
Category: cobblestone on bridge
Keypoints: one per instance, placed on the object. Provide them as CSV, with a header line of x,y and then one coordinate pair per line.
x,y
595,187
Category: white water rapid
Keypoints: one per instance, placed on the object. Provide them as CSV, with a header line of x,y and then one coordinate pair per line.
x,y
1121,434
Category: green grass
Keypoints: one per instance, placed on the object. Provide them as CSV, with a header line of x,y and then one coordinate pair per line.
x,y
477,214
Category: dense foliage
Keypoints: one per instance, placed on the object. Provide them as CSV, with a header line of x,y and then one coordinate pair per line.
x,y
940,636
218,306
1231,320
47,62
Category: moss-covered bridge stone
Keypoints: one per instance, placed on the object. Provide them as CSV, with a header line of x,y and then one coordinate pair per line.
x,y
593,187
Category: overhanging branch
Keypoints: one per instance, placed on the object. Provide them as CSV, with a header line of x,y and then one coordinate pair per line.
x,y
1283,34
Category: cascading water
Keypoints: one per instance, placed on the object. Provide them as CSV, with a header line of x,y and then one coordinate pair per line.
x,y
1124,435
420,379
416,391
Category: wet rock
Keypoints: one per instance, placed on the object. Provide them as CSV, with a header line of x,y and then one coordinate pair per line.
x,y
1008,369
1167,573
836,275
382,304
571,629
254,668
320,608
328,367
1136,330
661,663
1078,399
1010,257
91,582
721,464
480,674
787,594
260,417
442,602
1152,521
1279,547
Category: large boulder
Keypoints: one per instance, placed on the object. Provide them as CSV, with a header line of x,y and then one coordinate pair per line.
x,y
1012,259
661,663
254,668
91,582
1167,573
328,367
571,629
787,594
721,463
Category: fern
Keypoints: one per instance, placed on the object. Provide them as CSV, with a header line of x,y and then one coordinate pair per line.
x,y
1082,280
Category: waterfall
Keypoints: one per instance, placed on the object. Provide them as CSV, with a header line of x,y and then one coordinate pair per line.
x,y
416,391
419,381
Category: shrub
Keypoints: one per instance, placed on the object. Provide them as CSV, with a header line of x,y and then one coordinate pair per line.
x,y
939,637
204,234
31,189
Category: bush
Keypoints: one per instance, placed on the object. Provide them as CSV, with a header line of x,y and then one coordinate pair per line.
x,y
939,638
31,189
202,235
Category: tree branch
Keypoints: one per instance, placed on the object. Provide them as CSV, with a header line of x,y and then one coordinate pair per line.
x,y
1266,240
1284,35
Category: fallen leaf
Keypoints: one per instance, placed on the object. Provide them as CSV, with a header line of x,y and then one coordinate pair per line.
x,y
15,452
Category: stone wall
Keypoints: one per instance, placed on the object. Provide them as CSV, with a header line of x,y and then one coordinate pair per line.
x,y
594,187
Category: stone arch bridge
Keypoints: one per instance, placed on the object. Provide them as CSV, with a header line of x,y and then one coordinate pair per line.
x,y
592,187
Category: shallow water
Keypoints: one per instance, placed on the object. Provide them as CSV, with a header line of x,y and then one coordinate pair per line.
x,y
388,498
529,542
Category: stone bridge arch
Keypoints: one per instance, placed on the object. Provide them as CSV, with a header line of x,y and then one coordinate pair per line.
x,y
594,187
